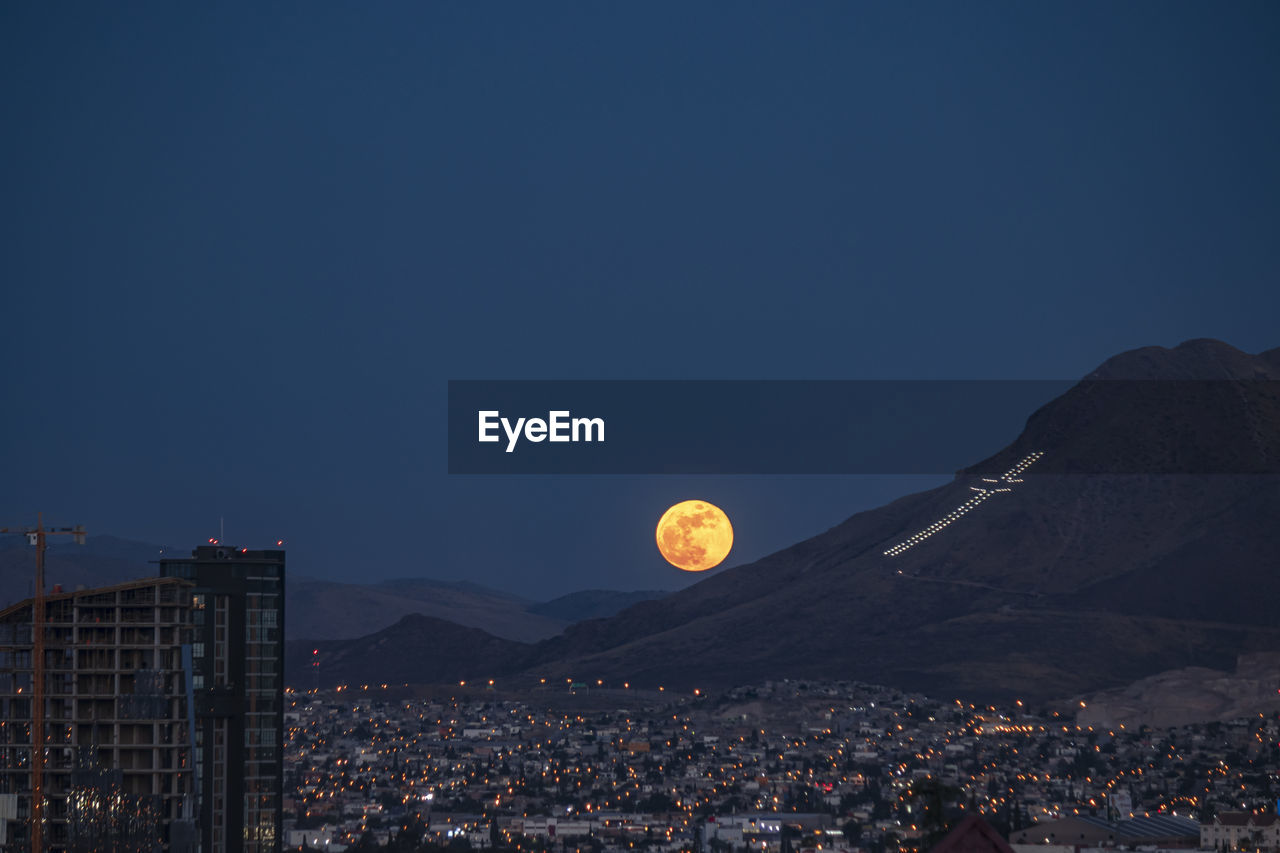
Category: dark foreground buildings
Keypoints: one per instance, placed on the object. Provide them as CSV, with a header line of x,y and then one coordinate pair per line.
x,y
237,643
163,710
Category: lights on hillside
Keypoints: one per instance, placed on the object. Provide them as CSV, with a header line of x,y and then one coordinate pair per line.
x,y
1001,484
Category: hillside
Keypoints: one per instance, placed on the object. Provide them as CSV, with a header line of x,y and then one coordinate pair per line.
x,y
1129,530
1065,582
417,648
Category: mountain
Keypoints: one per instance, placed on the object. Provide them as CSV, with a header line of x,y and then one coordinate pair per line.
x,y
592,604
417,648
1130,529
1065,583
1201,408
328,610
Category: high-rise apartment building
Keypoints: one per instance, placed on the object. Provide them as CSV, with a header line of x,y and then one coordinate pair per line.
x,y
118,756
237,642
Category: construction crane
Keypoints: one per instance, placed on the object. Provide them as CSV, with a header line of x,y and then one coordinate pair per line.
x,y
37,536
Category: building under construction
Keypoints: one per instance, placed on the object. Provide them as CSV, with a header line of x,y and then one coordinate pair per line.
x,y
118,769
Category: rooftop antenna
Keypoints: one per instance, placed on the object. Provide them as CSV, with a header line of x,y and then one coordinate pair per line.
x,y
222,533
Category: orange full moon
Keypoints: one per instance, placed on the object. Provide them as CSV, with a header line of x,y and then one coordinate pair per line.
x,y
694,536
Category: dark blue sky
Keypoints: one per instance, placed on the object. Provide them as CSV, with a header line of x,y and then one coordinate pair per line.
x,y
245,248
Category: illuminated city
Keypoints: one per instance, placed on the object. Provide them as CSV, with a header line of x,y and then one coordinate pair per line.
x,y
850,764
938,508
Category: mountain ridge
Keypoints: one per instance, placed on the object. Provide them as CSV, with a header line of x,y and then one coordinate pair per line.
x,y
1105,551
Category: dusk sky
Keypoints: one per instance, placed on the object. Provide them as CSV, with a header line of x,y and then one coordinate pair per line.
x,y
244,249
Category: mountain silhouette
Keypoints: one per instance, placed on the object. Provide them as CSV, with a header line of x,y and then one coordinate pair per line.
x,y
1131,528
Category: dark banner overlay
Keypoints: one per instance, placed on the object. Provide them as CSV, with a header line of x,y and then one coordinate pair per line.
x,y
862,427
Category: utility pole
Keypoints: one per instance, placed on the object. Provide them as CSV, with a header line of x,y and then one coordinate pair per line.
x,y
37,536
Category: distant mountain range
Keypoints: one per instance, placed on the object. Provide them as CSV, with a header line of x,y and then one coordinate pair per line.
x,y
319,609
592,604
1081,558
418,649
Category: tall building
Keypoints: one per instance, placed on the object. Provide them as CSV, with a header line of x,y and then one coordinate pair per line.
x,y
237,612
118,769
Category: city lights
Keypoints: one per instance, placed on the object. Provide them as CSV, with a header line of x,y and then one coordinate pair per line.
x,y
995,486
